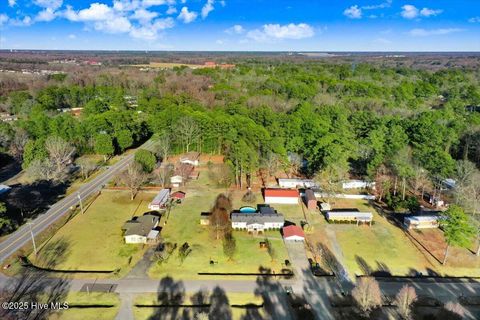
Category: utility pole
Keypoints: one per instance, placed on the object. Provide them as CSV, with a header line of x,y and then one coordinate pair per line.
x,y
33,239
81,204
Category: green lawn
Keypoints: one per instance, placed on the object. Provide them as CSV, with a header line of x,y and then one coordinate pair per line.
x,y
183,226
233,299
381,246
93,241
85,299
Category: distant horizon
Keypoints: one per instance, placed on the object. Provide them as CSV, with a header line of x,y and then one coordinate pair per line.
x,y
237,26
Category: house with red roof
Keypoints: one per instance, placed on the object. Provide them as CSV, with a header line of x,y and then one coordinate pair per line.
x,y
293,233
281,196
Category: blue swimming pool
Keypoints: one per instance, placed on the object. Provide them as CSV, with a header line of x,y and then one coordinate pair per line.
x,y
248,210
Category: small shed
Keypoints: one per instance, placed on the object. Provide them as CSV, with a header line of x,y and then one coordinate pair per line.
x,y
310,199
324,206
281,196
178,196
205,218
293,233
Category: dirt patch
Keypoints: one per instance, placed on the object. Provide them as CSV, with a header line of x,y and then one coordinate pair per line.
x,y
433,241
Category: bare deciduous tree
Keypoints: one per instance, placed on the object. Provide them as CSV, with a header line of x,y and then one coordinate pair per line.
x,y
164,173
133,178
60,154
162,147
467,188
219,219
87,166
18,143
188,131
367,294
404,300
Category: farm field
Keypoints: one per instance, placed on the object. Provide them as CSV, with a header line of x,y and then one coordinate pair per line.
x,y
183,225
167,65
93,240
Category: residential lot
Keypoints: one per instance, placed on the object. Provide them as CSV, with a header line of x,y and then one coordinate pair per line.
x,y
183,225
93,240
385,248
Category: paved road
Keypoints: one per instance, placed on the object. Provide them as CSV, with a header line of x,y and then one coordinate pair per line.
x,y
314,290
22,236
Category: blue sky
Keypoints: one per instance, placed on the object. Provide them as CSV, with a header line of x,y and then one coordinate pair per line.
x,y
260,25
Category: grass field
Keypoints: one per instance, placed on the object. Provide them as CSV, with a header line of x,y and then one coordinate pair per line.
x,y
233,299
381,247
93,241
85,299
183,226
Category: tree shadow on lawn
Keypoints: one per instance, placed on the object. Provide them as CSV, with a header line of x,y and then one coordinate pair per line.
x,y
171,302
33,285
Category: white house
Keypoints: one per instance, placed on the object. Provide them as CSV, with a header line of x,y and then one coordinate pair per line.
x,y
160,200
358,184
266,218
176,181
296,183
191,158
141,229
281,196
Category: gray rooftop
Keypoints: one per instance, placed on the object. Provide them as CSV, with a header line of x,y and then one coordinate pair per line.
x,y
140,225
251,218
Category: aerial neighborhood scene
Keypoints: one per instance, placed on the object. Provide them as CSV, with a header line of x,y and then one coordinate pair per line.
x,y
234,160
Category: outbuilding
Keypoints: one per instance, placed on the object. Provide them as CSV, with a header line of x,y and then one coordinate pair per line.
x,y
288,183
160,200
293,233
191,158
421,222
349,216
310,200
281,196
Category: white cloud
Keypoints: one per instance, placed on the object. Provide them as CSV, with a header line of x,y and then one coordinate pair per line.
x,y
354,12
72,36
426,12
383,5
236,29
52,4
144,15
277,32
171,10
25,22
96,12
207,8
48,14
150,31
151,3
3,19
219,41
433,32
187,16
115,25
11,3
411,12
474,20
